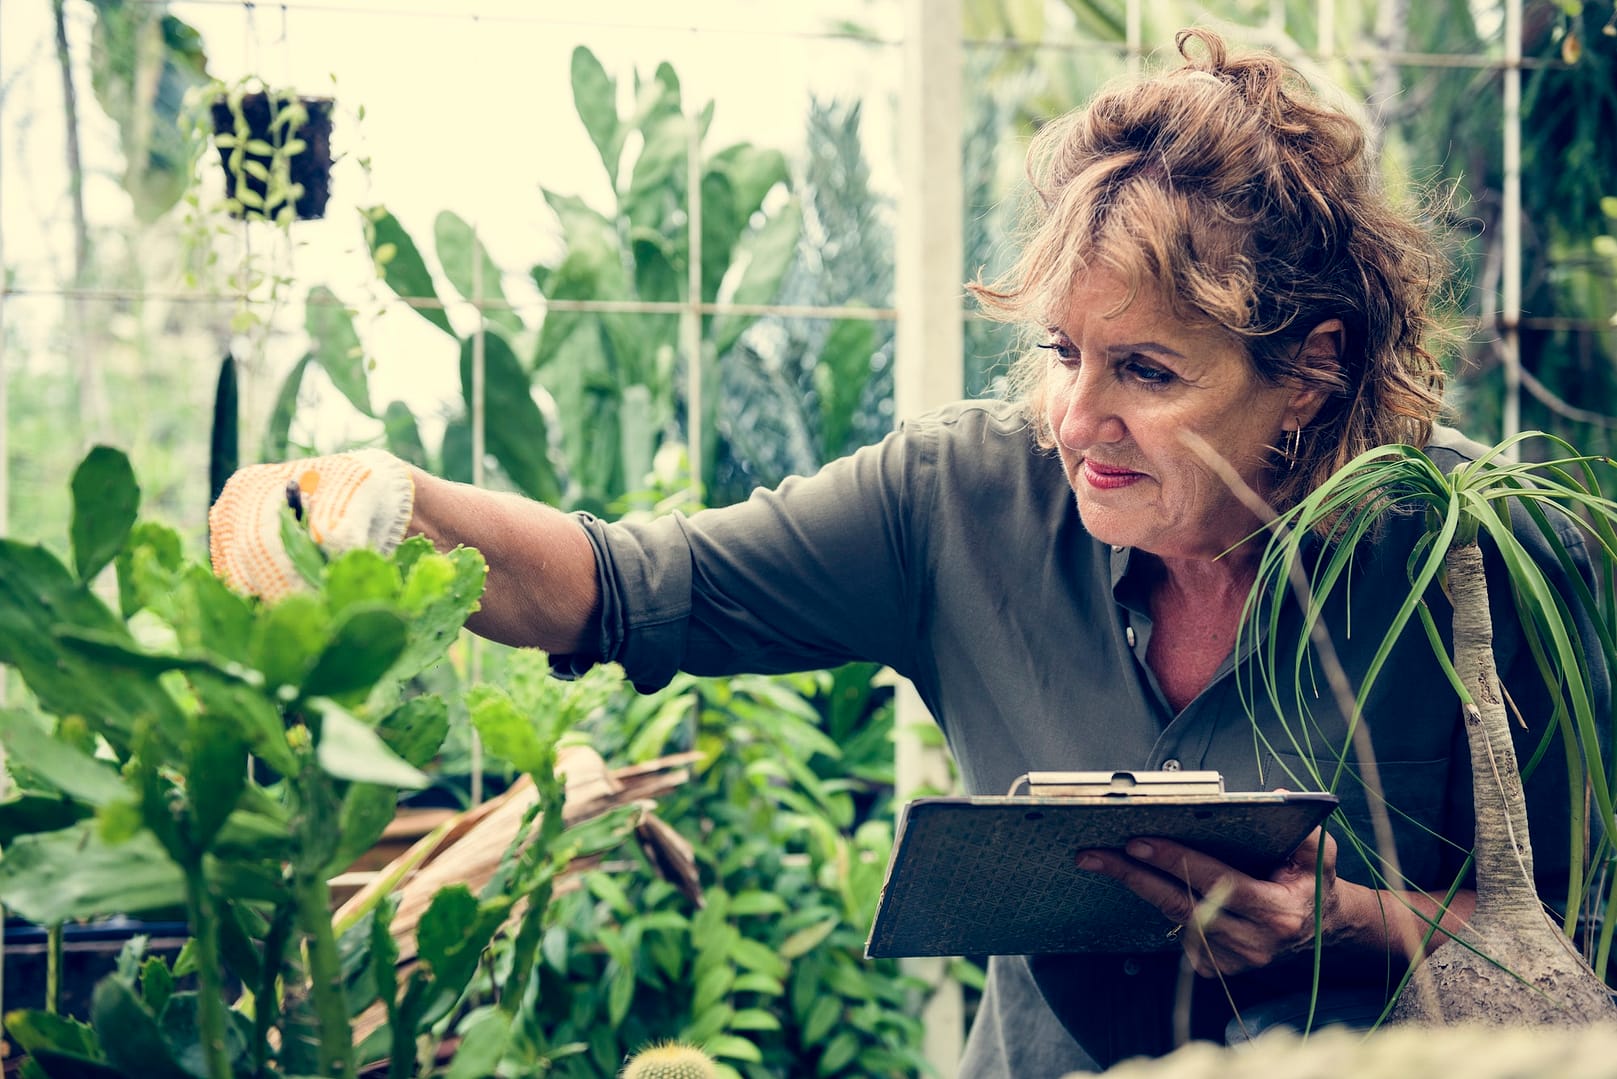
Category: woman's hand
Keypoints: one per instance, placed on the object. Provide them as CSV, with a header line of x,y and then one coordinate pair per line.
x,y
1230,922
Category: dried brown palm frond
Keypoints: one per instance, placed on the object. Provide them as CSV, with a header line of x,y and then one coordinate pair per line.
x,y
467,848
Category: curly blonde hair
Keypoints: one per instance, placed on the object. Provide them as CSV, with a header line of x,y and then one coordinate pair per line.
x,y
1252,205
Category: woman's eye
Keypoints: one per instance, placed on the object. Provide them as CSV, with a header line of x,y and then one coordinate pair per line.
x,y
1064,350
1147,373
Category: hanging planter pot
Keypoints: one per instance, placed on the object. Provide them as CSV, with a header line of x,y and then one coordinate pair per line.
x,y
276,150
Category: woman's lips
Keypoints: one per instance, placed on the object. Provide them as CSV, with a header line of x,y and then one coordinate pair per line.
x,y
1107,477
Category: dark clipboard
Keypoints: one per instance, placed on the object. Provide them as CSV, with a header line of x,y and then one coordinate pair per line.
x,y
999,875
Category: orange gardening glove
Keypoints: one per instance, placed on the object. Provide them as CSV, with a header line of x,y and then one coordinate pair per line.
x,y
347,500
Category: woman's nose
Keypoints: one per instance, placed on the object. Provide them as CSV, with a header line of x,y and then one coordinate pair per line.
x,y
1083,412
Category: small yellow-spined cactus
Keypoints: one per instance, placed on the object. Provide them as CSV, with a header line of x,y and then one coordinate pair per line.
x,y
670,1060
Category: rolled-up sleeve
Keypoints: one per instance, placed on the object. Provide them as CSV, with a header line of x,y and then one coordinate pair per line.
x,y
814,573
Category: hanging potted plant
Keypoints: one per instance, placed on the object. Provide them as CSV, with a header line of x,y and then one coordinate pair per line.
x,y
275,146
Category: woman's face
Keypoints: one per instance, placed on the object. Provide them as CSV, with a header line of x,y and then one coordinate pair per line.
x,y
1121,391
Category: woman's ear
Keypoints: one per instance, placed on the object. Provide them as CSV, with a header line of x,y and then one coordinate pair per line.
x,y
1321,353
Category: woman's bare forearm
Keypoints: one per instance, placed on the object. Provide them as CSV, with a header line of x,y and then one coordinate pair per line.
x,y
542,590
1379,922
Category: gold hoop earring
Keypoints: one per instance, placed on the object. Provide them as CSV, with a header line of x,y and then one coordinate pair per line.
x,y
1291,441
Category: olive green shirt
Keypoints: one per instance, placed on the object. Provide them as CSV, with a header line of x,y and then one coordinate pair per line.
x,y
953,552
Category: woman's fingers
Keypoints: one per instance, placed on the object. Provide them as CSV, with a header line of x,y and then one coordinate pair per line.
x,y
1232,922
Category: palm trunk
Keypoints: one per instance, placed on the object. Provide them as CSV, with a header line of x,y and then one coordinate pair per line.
x,y
1511,963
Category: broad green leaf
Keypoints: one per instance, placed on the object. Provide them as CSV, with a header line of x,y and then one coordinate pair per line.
x,y
402,266
366,812
251,836
223,620
38,598
254,718
129,1034
595,97
734,1048
416,730
753,172
757,902
659,170
723,225
840,378
806,940
458,246
656,279
756,956
68,768
440,592
147,564
451,937
105,501
348,749
712,986
156,984
360,577
516,429
26,814
821,1018
403,434
483,1039
509,734
181,1030
59,876
457,451
769,251
289,638
843,1048
754,1019
215,775
306,556
278,431
336,347
367,641
42,1032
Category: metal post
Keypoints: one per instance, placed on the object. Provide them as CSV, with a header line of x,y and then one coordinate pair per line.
x,y
690,320
930,363
479,406
1133,37
1510,315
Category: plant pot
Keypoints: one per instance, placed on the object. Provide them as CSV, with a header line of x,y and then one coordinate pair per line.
x,y
89,953
310,167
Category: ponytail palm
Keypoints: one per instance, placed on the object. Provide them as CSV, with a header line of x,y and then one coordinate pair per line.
x,y
1509,963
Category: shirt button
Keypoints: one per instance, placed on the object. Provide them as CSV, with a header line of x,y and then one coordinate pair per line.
x,y
1131,966
1170,765
1128,635
1117,548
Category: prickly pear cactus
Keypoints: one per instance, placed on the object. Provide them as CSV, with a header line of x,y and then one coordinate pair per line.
x,y
1410,1052
671,1061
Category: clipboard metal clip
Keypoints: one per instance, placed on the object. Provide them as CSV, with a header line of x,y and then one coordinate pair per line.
x,y
1120,784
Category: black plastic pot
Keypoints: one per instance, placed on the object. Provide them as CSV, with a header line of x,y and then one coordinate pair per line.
x,y
310,167
89,953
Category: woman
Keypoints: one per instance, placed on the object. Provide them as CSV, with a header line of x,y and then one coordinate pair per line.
x,y
1062,577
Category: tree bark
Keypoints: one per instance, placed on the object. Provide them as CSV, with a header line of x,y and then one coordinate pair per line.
x,y
1510,963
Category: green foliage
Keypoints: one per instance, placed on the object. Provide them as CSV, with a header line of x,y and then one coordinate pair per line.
x,y
143,61
150,720
791,833
612,376
1498,499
